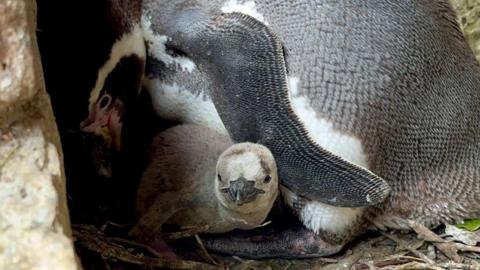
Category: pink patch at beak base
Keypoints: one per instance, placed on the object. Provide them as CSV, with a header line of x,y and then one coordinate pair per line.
x,y
105,121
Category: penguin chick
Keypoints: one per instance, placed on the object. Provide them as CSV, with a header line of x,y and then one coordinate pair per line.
x,y
198,177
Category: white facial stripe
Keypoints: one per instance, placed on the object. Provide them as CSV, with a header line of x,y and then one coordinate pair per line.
x,y
319,216
174,103
323,132
247,8
129,44
157,48
246,164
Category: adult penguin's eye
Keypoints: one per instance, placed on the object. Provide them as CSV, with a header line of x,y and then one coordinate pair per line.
x,y
267,179
105,101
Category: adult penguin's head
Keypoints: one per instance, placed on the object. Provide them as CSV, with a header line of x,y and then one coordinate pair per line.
x,y
117,85
121,64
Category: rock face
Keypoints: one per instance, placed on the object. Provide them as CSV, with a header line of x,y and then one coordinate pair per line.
x,y
34,222
468,12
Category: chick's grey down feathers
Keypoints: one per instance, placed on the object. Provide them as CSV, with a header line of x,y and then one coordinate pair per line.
x,y
180,185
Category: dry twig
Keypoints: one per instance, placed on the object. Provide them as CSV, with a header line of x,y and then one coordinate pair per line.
x,y
204,250
135,244
345,263
416,266
188,232
95,240
411,249
448,248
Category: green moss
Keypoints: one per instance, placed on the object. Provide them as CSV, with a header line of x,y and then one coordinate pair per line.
x,y
470,225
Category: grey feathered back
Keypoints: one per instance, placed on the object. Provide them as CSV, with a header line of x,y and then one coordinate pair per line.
x,y
400,76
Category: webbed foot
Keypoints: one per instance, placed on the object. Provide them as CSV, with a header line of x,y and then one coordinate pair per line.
x,y
288,244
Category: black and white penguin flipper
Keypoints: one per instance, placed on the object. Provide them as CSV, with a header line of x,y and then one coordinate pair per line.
x,y
251,96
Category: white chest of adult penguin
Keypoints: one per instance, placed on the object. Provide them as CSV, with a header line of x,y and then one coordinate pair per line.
x,y
336,90
197,177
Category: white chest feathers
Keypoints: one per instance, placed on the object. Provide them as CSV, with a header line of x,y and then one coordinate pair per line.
x,y
318,216
172,102
322,131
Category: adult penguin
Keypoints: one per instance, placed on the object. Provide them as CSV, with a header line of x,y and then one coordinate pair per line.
x,y
93,56
103,43
336,90
119,77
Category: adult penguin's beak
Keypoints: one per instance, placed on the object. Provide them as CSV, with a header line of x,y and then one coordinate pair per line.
x,y
105,119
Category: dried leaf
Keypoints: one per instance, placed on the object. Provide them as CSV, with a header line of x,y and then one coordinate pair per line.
x,y
461,235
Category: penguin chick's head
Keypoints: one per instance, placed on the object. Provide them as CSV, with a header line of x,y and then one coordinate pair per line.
x,y
118,83
246,179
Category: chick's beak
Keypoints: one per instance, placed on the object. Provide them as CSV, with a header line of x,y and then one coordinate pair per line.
x,y
242,191
104,119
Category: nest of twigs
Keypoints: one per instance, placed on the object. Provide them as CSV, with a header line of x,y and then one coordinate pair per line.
x,y
374,250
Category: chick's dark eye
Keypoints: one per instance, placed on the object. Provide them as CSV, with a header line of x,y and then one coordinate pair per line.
x,y
219,177
267,179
